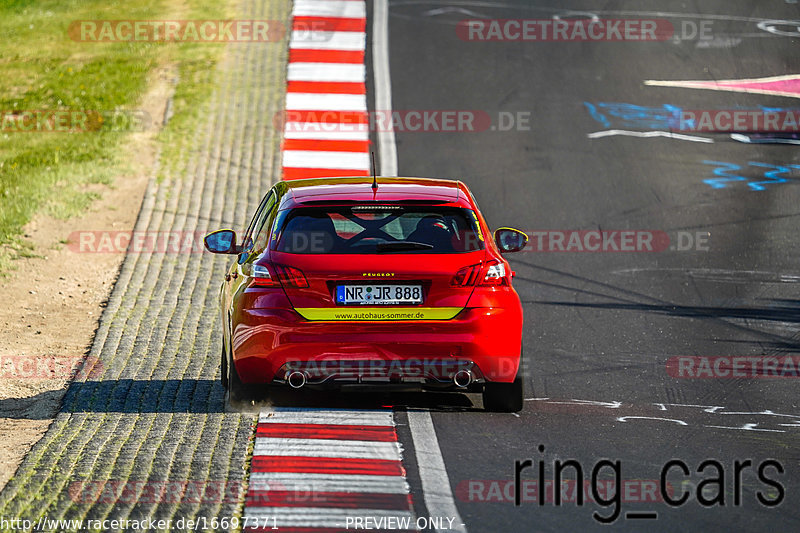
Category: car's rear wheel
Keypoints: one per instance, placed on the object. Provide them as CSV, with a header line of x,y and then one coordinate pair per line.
x,y
223,378
238,392
503,397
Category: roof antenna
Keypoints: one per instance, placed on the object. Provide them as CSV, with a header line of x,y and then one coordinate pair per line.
x,y
374,175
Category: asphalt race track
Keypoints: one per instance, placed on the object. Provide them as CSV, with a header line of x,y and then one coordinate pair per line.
x,y
654,253
601,327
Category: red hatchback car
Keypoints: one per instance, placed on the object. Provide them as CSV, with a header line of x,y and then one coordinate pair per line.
x,y
358,281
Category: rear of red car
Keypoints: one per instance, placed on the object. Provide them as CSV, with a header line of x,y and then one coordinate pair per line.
x,y
355,285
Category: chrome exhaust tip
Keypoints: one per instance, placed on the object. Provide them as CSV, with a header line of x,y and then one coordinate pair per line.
x,y
296,379
462,378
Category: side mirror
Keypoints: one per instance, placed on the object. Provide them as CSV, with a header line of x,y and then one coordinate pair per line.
x,y
222,241
510,240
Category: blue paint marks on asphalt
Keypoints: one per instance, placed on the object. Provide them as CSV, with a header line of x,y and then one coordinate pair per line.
x,y
599,117
772,176
666,117
724,177
726,173
622,115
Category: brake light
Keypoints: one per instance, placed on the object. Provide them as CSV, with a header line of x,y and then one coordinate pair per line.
x,y
259,275
291,276
491,273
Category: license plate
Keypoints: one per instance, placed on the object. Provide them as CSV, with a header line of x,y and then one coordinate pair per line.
x,y
378,294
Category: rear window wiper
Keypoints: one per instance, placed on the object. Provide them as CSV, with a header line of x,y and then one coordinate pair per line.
x,y
402,245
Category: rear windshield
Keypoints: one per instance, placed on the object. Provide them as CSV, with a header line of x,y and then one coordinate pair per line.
x,y
377,229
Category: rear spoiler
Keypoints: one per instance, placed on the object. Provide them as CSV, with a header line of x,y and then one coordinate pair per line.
x,y
375,202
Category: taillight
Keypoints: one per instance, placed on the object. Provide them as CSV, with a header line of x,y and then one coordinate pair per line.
x,y
291,276
494,273
491,273
259,276
467,276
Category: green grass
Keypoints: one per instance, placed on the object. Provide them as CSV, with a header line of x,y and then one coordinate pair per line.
x,y
195,72
42,68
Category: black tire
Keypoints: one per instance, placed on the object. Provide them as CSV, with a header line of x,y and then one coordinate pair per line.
x,y
238,392
223,378
503,397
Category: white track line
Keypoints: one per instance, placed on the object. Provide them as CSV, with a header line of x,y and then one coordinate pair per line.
x,y
649,134
435,482
387,146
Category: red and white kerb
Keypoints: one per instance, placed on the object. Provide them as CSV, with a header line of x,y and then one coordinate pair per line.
x,y
318,470
326,132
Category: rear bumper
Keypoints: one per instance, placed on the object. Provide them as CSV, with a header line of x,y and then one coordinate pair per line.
x,y
269,343
455,373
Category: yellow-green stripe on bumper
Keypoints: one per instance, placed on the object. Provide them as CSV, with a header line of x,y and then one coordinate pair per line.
x,y
378,314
